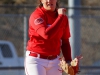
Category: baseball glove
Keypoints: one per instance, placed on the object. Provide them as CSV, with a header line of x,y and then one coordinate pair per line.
x,y
72,68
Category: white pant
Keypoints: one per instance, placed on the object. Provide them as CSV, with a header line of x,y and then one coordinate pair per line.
x,y
38,66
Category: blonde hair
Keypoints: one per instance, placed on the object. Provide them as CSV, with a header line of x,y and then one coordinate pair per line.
x,y
39,4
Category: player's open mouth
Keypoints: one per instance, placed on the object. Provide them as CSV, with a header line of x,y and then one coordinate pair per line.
x,y
50,4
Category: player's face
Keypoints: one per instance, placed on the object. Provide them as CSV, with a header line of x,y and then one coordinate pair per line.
x,y
49,4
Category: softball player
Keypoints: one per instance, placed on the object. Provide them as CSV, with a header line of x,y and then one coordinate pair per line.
x,y
48,33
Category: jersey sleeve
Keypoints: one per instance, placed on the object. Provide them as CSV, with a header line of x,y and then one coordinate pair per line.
x,y
38,23
66,31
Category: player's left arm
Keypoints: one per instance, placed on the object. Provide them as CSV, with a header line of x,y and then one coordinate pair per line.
x,y
66,49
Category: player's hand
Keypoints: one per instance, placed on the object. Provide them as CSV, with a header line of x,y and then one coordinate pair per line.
x,y
62,11
75,63
66,67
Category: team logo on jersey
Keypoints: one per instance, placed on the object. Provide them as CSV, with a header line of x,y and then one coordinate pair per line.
x,y
38,21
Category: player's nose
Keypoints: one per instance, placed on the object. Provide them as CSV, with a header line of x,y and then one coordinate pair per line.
x,y
48,0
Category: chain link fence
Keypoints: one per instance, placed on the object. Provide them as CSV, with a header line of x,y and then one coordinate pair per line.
x,y
13,28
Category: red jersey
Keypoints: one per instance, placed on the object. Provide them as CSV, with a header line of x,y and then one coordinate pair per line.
x,y
46,30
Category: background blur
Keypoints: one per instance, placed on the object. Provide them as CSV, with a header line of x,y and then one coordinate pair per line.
x,y
14,15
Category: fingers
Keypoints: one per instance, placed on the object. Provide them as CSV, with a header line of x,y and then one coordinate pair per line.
x,y
66,67
74,62
62,11
62,62
79,57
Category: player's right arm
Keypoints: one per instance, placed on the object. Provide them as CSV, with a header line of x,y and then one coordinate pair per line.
x,y
38,23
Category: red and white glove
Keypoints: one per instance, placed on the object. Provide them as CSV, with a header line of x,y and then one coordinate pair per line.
x,y
71,68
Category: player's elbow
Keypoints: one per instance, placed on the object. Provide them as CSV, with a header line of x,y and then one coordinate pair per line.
x,y
46,37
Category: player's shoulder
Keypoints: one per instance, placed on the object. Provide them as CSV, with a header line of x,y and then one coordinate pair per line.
x,y
37,12
66,16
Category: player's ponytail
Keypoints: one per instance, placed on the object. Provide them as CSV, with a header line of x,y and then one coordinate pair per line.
x,y
39,4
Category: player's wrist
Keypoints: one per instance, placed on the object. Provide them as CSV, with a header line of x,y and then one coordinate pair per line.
x,y
69,63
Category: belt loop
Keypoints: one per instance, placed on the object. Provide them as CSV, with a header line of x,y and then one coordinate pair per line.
x,y
58,56
37,54
27,53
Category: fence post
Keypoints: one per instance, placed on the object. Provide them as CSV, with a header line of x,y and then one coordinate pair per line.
x,y
25,32
74,22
